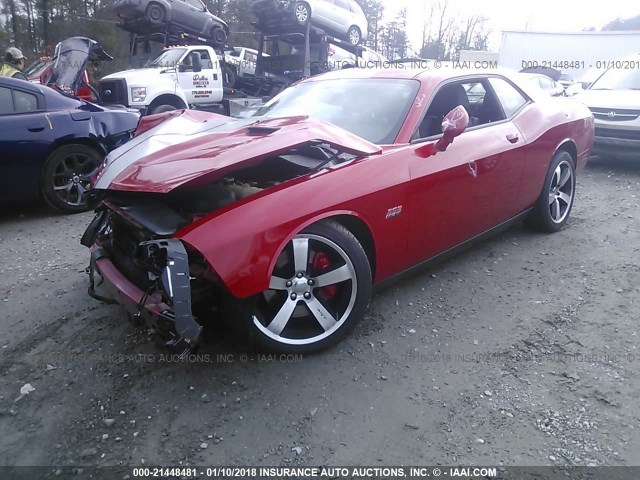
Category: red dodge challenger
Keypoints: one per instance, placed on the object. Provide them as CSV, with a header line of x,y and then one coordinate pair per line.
x,y
283,221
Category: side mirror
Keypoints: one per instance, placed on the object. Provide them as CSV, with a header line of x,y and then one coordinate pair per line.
x,y
453,124
197,62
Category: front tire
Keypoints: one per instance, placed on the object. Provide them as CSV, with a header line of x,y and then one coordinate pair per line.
x,y
551,211
162,109
66,177
319,291
354,36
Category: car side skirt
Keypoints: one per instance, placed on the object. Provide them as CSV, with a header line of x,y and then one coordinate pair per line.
x,y
451,252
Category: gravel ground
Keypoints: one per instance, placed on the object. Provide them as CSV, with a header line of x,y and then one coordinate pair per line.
x,y
521,351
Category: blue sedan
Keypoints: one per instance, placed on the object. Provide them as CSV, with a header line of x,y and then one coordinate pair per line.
x,y
51,144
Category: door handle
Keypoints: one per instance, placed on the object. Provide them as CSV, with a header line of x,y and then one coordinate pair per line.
x,y
513,137
35,129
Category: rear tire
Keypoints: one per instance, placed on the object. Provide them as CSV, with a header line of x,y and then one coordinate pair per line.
x,y
229,76
319,291
66,177
551,211
218,35
155,13
302,13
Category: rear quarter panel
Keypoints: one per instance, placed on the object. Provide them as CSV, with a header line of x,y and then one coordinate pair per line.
x,y
548,125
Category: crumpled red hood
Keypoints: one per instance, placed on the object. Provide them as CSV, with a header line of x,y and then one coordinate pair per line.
x,y
199,145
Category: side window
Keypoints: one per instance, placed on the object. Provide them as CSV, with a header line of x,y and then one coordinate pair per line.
x,y
545,83
344,4
205,59
6,101
25,102
510,98
446,98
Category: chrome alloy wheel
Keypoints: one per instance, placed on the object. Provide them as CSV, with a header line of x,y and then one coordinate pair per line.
x,y
354,36
311,293
72,176
302,13
561,192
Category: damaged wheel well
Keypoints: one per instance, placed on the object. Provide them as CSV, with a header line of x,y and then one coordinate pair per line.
x,y
361,231
88,142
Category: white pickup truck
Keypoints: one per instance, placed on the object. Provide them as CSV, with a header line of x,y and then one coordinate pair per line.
x,y
180,77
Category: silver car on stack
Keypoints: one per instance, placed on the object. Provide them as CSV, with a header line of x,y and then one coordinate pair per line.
x,y
343,18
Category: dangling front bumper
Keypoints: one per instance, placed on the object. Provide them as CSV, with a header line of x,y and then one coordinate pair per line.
x,y
165,305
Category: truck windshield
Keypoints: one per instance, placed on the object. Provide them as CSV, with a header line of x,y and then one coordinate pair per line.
x,y
618,79
167,59
372,108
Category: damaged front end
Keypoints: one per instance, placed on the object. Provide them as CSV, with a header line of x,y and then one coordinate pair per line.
x,y
153,190
135,263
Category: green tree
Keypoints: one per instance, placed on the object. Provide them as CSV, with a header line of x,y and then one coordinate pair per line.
x,y
632,23
374,11
394,43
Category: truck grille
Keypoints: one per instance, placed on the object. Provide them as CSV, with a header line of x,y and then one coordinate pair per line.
x,y
618,133
114,91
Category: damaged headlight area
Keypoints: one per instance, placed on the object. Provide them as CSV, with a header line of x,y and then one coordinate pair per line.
x,y
158,279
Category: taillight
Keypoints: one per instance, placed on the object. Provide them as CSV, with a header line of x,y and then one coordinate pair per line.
x,y
84,93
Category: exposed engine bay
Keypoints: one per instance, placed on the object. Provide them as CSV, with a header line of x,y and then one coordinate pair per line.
x,y
164,214
134,231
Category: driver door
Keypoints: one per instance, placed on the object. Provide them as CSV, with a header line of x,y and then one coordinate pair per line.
x,y
472,186
199,87
26,133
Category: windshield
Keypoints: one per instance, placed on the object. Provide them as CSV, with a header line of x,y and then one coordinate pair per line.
x,y
372,108
618,79
168,58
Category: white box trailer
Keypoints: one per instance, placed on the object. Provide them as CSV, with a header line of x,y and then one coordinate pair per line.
x,y
574,53
479,56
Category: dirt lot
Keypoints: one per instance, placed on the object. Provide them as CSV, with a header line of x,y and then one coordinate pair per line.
x,y
521,351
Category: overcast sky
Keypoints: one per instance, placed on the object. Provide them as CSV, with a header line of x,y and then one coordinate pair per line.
x,y
543,15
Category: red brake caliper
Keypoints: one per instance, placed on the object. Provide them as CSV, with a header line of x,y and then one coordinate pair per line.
x,y
320,263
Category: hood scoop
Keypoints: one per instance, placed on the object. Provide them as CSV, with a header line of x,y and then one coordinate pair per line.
x,y
260,130
186,149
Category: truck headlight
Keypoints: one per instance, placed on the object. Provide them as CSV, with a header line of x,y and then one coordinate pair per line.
x,y
138,94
